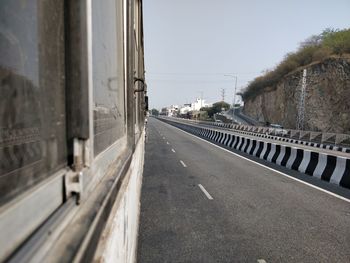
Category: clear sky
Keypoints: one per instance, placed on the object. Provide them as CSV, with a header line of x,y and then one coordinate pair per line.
x,y
191,44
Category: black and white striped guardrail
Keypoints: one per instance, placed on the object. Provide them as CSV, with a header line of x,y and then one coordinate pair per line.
x,y
333,169
284,139
290,140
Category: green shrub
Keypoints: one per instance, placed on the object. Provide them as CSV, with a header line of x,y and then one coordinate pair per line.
x,y
322,53
338,41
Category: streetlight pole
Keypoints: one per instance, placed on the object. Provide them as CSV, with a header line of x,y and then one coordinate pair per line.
x,y
234,96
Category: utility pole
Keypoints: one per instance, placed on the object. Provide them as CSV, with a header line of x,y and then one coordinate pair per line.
x,y
234,96
223,94
301,105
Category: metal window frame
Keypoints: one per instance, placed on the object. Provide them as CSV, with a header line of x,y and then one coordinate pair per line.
x,y
22,216
48,198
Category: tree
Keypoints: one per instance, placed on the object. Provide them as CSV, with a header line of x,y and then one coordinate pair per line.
x,y
314,40
154,112
217,107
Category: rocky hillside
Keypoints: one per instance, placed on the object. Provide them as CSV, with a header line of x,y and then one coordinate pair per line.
x,y
327,101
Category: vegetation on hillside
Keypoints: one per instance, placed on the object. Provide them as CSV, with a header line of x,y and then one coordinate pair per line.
x,y
315,48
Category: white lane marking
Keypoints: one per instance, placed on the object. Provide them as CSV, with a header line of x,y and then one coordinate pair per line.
x,y
183,164
173,150
205,192
261,261
167,142
269,168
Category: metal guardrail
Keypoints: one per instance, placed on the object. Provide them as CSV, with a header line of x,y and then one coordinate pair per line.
x,y
310,136
246,118
336,139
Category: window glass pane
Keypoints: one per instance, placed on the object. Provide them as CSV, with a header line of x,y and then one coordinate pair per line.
x,y
32,108
108,79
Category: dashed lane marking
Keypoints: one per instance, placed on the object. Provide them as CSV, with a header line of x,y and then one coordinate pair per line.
x,y
173,150
183,164
266,167
205,192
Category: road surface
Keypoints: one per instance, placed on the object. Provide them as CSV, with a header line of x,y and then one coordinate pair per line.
x,y
201,203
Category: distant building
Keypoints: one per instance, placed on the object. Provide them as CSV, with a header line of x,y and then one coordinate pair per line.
x,y
172,110
198,104
185,109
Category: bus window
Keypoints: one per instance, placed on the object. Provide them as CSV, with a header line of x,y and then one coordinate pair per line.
x,y
32,101
108,74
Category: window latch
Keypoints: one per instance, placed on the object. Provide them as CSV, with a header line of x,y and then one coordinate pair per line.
x,y
74,184
143,85
74,177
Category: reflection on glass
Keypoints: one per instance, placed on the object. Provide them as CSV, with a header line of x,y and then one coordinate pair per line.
x,y
107,74
32,116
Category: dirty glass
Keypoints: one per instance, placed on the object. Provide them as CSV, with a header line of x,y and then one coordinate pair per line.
x,y
108,80
32,109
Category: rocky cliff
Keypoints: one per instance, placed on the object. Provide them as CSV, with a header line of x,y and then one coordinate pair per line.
x,y
327,99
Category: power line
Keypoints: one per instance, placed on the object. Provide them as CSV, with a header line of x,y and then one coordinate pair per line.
x,y
190,80
194,79
200,73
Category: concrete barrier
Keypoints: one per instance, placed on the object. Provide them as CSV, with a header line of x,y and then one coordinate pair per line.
x,y
330,141
333,169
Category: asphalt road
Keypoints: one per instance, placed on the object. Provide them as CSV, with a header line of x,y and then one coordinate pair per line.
x,y
255,214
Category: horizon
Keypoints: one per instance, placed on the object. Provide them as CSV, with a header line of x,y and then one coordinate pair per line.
x,y
188,57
